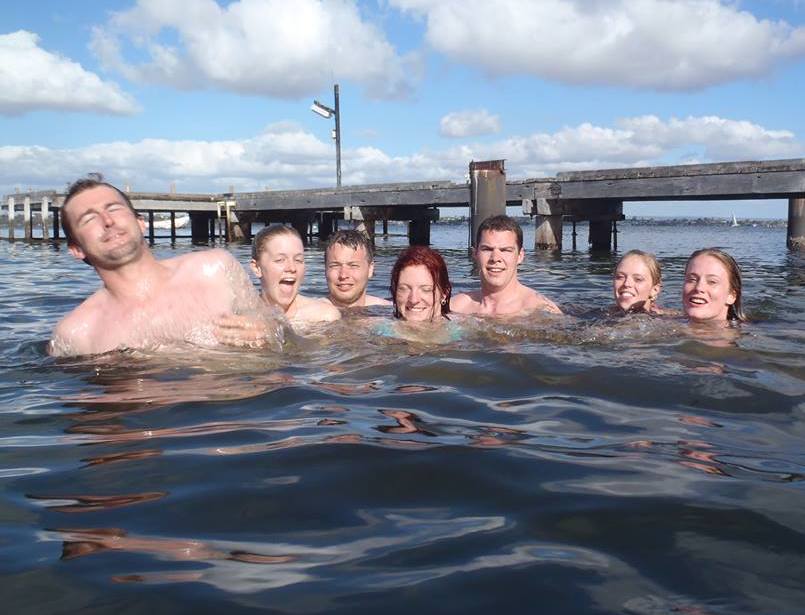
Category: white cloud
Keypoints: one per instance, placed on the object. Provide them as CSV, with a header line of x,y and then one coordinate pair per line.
x,y
469,124
656,44
269,47
284,156
34,79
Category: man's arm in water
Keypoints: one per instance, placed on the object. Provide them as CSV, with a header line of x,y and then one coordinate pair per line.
x,y
73,334
252,323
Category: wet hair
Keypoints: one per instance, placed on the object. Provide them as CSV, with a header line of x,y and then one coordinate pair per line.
x,y
735,311
500,223
92,180
351,238
274,230
649,260
434,263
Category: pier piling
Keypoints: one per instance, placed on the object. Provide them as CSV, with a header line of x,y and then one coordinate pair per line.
x,y
795,238
27,227
45,215
487,193
11,206
548,222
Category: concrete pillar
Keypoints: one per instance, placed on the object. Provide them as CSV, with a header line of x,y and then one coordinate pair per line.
x,y
11,217
600,237
326,224
487,193
56,227
27,227
200,226
548,224
45,215
419,232
795,238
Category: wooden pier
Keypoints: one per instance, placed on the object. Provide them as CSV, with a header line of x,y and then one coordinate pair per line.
x,y
595,197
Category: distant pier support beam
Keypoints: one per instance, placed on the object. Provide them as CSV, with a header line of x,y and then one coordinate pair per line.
x,y
242,229
487,193
419,232
548,223
27,226
151,234
796,224
300,223
200,225
11,205
45,215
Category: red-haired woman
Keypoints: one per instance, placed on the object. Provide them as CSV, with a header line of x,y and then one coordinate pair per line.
x,y
420,286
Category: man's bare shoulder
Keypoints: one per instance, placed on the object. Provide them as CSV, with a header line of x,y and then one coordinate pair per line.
x,y
372,300
315,310
532,301
75,333
466,303
205,263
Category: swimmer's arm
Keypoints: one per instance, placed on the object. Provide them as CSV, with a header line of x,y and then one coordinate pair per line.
x,y
550,306
246,331
322,311
70,338
244,295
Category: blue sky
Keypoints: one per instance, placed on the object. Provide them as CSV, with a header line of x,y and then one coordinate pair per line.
x,y
209,95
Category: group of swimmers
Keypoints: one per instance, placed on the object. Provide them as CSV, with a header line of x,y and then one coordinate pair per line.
x,y
206,297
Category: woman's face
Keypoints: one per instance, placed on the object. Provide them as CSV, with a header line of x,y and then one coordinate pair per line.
x,y
281,269
633,285
418,298
706,292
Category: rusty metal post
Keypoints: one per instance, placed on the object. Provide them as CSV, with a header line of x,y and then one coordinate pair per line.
x,y
795,238
487,193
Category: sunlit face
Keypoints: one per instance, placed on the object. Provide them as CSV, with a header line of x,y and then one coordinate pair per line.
x,y
497,256
706,292
633,285
281,269
418,298
106,232
348,271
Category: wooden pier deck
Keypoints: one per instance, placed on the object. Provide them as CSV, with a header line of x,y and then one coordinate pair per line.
x,y
594,196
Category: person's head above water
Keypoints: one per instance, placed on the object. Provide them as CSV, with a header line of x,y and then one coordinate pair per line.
x,y
498,253
278,260
711,291
348,263
101,225
637,281
420,286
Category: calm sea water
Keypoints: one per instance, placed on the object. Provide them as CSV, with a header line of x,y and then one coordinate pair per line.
x,y
551,465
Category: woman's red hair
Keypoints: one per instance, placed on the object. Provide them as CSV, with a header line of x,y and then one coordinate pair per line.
x,y
434,263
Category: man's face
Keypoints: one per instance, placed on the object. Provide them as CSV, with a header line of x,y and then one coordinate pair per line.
x,y
497,256
106,232
348,271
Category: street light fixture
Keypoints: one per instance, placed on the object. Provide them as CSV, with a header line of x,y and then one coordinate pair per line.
x,y
328,112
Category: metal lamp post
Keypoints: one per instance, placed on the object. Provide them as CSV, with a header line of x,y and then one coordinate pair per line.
x,y
328,112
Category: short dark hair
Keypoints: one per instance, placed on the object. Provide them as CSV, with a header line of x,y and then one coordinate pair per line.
x,y
500,223
262,237
434,263
351,238
92,180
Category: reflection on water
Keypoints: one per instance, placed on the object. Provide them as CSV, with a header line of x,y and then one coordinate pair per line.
x,y
604,465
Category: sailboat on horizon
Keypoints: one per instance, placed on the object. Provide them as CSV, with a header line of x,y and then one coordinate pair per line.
x,y
734,221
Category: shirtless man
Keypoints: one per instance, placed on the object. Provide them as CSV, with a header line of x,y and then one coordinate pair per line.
x,y
278,260
349,263
144,303
498,252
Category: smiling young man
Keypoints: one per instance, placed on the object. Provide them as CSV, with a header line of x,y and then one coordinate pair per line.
x,y
144,303
348,264
498,252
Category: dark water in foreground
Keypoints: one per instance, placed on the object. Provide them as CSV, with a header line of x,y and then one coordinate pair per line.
x,y
553,466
